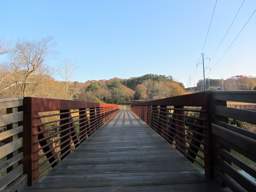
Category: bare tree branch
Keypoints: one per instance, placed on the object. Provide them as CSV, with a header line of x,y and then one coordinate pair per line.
x,y
28,60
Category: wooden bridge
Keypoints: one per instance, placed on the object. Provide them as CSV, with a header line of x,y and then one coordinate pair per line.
x,y
198,142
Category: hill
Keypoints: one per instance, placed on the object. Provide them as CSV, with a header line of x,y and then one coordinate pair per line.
x,y
117,90
17,83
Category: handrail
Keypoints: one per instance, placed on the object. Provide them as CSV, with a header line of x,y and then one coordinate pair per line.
x,y
216,130
11,144
37,133
54,128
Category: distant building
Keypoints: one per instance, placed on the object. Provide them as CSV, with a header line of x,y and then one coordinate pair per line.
x,y
191,89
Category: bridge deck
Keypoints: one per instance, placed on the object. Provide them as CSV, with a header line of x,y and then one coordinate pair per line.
x,y
124,156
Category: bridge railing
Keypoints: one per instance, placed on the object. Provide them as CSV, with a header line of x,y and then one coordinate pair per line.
x,y
37,133
54,128
233,129
215,130
11,145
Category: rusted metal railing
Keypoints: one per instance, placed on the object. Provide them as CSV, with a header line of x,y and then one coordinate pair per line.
x,y
234,139
55,128
211,129
37,133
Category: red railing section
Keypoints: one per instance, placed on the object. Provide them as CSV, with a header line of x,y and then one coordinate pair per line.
x,y
183,121
216,130
54,128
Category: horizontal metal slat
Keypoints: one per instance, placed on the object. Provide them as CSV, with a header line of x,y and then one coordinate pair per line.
x,y
10,133
11,177
237,114
10,147
11,118
246,144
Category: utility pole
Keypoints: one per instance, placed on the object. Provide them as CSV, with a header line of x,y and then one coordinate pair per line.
x,y
222,84
204,81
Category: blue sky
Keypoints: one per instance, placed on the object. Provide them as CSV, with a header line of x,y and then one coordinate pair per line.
x,y
126,38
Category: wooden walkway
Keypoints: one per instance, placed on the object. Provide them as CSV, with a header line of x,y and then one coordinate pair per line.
x,y
125,156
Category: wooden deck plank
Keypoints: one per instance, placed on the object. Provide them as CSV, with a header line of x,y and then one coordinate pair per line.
x,y
126,155
202,187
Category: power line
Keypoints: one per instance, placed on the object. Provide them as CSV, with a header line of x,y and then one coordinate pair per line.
x,y
230,26
205,42
237,36
210,25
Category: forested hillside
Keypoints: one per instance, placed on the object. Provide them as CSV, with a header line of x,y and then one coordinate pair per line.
x,y
110,91
116,90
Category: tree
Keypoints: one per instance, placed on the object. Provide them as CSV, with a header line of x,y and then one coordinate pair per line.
x,y
27,59
4,73
140,92
4,77
66,72
153,88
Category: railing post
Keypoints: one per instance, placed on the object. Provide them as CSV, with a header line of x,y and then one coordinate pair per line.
x,y
149,115
180,128
162,119
210,149
65,138
30,141
102,115
158,118
83,124
166,123
154,117
27,135
209,146
143,113
172,127
146,114
92,120
98,117
73,134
